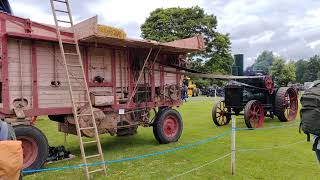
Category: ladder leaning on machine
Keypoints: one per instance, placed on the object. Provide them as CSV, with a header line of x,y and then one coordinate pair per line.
x,y
75,72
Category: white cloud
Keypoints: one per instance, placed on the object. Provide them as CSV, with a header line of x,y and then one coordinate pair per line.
x,y
124,11
289,27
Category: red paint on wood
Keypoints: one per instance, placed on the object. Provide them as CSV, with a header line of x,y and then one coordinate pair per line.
x,y
37,37
35,100
5,67
34,24
153,85
114,79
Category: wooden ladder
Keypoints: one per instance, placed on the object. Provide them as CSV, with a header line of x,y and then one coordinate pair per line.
x,y
75,72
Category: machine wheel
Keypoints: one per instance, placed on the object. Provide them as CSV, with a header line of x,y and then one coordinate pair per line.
x,y
286,104
167,126
34,144
220,114
254,114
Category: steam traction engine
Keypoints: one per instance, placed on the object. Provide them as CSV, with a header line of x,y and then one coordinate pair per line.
x,y
256,97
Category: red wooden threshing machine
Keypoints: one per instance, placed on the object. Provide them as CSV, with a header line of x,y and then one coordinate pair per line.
x,y
72,74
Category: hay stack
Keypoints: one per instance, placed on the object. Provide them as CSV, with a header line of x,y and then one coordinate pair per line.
x,y
111,32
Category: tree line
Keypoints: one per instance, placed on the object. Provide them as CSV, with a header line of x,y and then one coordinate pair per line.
x,y
285,71
170,24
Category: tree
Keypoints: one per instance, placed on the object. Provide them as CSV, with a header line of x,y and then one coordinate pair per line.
x,y
263,62
282,73
312,69
170,24
301,68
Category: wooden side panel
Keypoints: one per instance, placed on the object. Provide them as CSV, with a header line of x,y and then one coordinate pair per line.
x,y
20,27
15,27
16,88
169,78
157,74
100,64
50,68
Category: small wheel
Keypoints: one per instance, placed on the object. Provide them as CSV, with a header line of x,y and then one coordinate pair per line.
x,y
286,104
167,126
254,114
220,115
34,144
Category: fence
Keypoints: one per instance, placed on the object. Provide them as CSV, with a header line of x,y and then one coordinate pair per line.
x,y
213,138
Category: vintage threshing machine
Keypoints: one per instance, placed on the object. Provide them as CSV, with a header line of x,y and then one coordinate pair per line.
x,y
256,97
74,73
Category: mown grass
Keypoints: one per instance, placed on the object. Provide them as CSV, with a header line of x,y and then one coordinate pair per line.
x,y
293,162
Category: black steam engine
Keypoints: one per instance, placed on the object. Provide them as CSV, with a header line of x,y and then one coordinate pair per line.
x,y
255,97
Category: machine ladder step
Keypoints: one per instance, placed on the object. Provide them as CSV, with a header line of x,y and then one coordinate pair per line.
x,y
92,156
60,1
89,142
86,128
97,170
68,61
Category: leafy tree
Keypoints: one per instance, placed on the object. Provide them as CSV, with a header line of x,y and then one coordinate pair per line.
x,y
263,62
313,67
282,73
170,24
301,68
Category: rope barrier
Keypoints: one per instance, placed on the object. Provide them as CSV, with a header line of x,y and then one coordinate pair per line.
x,y
267,128
151,154
130,158
194,169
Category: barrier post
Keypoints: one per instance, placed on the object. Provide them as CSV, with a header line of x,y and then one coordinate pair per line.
x,y
233,145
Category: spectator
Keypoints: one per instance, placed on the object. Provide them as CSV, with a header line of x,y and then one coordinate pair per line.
x,y
11,154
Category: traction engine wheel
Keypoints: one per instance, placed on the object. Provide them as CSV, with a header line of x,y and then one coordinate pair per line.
x,y
167,126
254,114
286,104
220,115
34,145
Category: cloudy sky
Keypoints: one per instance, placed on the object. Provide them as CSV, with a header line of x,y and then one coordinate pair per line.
x,y
289,28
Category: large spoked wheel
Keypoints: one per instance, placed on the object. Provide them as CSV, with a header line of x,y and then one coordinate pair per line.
x,y
254,114
286,104
34,145
220,114
167,126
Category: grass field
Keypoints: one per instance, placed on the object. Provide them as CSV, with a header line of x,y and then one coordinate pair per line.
x,y
293,162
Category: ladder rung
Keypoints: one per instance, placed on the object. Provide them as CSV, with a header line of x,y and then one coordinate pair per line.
x,y
89,142
92,156
84,114
74,65
97,170
72,77
72,54
60,1
86,128
58,10
64,21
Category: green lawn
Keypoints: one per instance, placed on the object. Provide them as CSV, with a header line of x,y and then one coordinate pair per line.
x,y
294,162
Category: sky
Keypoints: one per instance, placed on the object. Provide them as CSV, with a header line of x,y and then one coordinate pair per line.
x,y
289,28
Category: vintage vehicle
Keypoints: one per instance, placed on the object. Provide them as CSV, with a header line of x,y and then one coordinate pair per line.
x,y
125,79
256,97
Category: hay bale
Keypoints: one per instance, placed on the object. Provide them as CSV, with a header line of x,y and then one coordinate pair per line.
x,y
109,31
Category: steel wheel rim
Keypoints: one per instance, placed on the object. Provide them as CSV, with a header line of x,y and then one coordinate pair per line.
x,y
30,150
256,115
170,126
290,104
221,112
